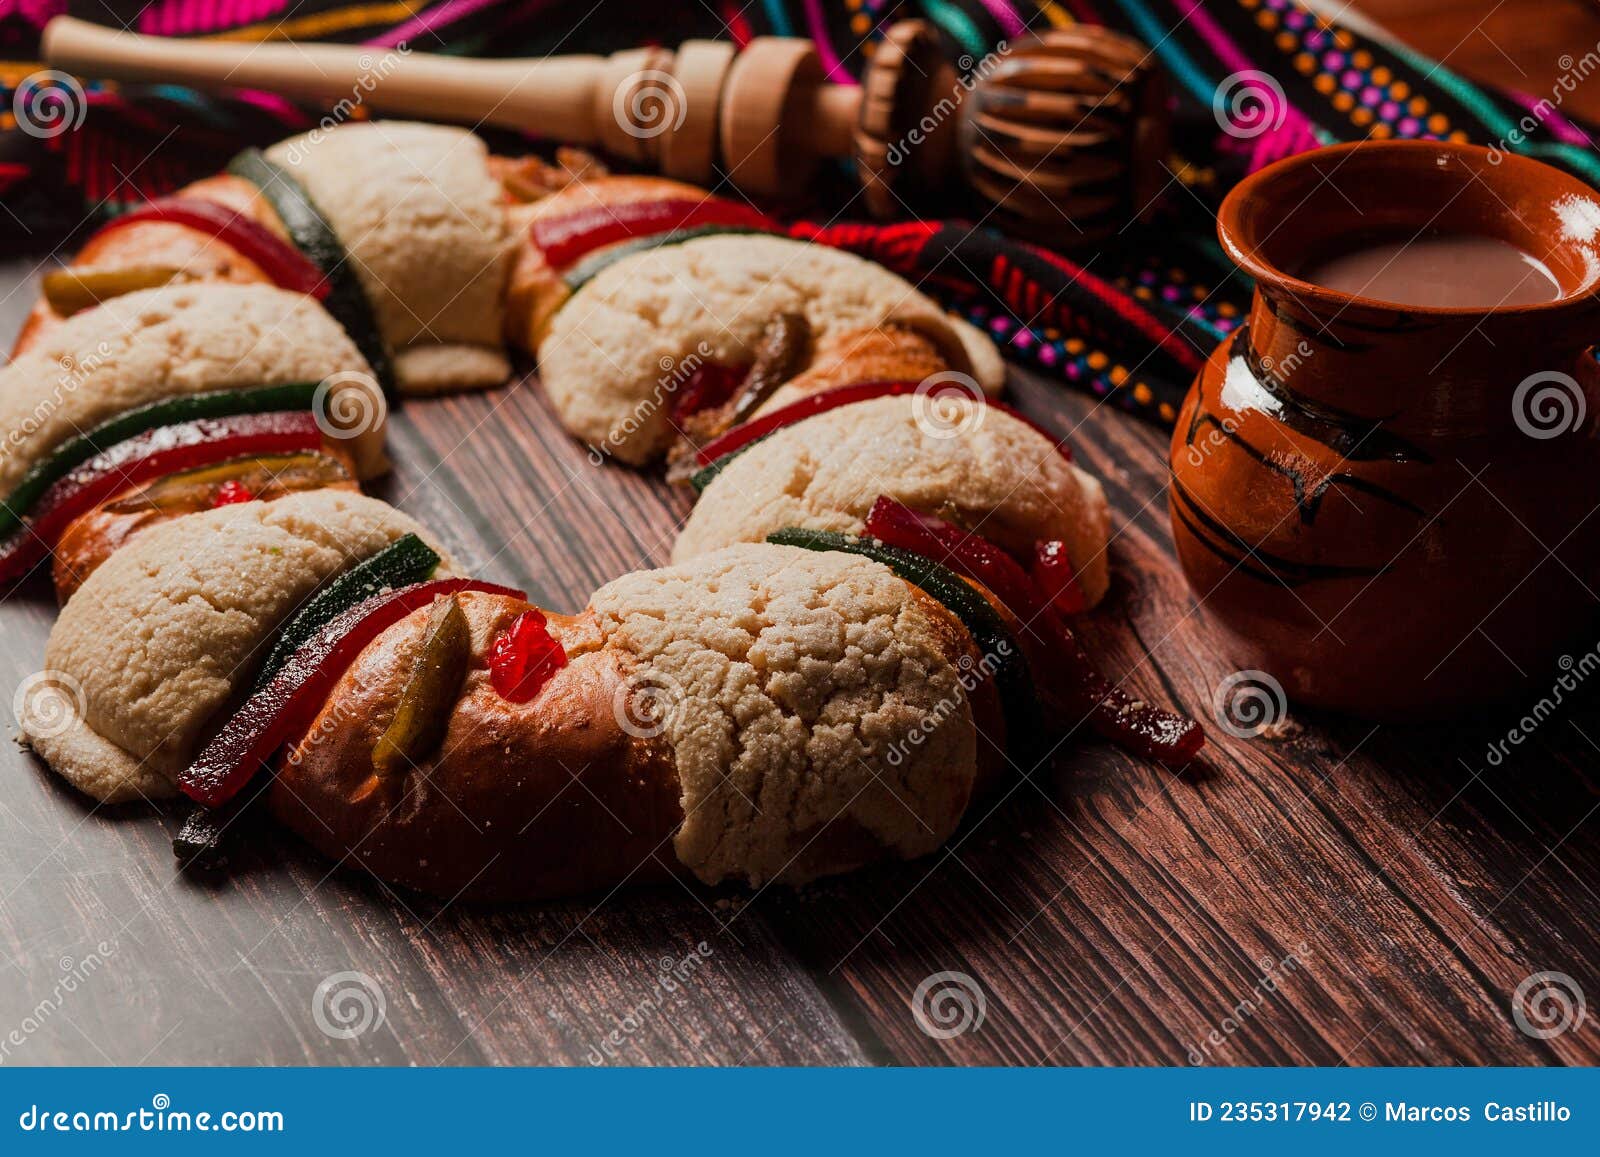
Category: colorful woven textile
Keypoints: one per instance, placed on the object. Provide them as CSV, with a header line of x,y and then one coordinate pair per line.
x,y
1130,322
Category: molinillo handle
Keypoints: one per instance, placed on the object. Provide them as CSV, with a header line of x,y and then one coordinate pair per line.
x,y
766,115
1061,135
556,91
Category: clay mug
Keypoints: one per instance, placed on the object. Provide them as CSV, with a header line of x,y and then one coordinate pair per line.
x,y
1393,508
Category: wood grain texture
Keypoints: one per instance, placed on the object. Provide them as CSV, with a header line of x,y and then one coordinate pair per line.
x,y
1338,894
1391,887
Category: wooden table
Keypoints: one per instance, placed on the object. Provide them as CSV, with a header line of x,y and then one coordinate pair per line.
x,y
1336,893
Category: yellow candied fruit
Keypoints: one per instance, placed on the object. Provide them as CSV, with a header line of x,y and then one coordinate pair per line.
x,y
1166,412
1119,374
1267,19
1362,116
1399,90
1382,131
1343,101
1074,345
1098,361
1305,64
1438,123
1361,58
1324,83
1142,394
1381,76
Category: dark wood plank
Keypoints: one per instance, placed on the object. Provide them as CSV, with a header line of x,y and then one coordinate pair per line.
x,y
186,973
1114,915
1391,885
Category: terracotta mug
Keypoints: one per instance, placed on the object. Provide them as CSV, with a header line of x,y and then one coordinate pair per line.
x,y
1394,508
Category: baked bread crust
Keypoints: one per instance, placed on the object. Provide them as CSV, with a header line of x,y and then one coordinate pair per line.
x,y
522,800
763,714
97,534
973,464
162,635
629,336
535,290
195,256
423,222
188,339
794,686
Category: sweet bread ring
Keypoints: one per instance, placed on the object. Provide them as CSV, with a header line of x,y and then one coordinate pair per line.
x,y
418,222
759,711
154,344
971,464
622,345
763,713
167,631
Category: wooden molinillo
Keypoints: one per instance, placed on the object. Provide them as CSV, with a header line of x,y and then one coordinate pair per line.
x,y
1059,136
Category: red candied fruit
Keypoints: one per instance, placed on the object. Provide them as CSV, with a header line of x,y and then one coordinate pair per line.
x,y
524,657
1052,573
231,492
